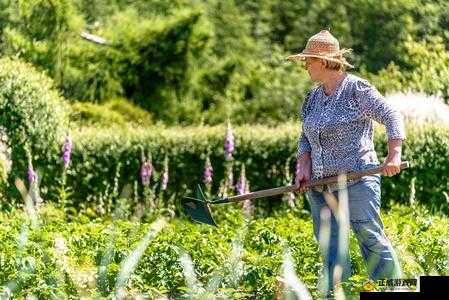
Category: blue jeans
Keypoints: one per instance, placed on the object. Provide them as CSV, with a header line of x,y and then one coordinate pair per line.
x,y
364,217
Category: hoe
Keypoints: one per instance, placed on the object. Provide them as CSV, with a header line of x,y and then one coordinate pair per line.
x,y
198,208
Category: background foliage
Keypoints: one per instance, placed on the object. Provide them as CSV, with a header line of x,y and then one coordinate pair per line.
x,y
189,61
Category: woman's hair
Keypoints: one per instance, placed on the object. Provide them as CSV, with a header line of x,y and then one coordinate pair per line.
x,y
331,65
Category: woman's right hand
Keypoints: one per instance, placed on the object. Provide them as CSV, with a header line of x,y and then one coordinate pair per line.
x,y
303,172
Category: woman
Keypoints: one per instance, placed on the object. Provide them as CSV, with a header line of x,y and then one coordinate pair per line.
x,y
337,137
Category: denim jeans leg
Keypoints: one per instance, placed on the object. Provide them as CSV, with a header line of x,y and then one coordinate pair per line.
x,y
364,210
317,204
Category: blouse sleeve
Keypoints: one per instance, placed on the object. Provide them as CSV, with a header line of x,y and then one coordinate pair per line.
x,y
375,107
303,142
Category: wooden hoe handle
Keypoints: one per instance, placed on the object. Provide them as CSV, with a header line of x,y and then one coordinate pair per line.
x,y
319,182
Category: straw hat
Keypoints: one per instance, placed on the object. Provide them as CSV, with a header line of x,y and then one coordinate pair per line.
x,y
323,45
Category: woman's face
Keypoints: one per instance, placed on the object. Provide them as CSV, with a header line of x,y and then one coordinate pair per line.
x,y
314,67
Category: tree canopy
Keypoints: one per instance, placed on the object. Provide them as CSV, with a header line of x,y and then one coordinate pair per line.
x,y
188,61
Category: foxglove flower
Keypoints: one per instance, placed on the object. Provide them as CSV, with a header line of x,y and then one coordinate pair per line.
x,y
145,172
67,151
229,143
241,183
164,180
248,207
207,175
31,173
34,189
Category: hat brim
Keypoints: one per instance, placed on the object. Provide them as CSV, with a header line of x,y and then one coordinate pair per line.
x,y
302,56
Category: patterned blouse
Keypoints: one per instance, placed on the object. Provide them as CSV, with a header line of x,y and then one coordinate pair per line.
x,y
338,130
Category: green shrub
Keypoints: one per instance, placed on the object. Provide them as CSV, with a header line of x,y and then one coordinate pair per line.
x,y
426,148
33,116
116,112
267,152
157,58
425,68
39,31
89,114
261,90
130,112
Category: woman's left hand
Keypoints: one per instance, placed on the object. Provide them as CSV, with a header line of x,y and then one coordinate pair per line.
x,y
392,164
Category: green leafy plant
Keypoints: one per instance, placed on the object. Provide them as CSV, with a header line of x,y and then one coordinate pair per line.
x,y
33,116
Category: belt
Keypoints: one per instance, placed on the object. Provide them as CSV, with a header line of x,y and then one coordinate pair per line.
x,y
335,186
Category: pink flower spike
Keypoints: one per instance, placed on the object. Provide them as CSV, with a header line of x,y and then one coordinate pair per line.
x,y
31,174
145,172
229,143
208,172
67,151
164,180
241,183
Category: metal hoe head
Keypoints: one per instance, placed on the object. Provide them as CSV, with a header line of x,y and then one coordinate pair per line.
x,y
198,208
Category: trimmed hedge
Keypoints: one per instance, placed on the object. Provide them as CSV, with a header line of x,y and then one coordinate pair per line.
x,y
268,154
33,115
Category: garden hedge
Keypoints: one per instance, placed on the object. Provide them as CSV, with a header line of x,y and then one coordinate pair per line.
x,y
102,157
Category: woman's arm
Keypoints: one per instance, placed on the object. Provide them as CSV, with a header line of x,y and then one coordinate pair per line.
x,y
304,162
393,161
303,171
375,107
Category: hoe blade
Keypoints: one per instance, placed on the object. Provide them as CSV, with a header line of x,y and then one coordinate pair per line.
x,y
198,208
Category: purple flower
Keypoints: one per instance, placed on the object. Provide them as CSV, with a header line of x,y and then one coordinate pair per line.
x,y
145,172
241,183
229,143
164,180
31,174
67,151
207,175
